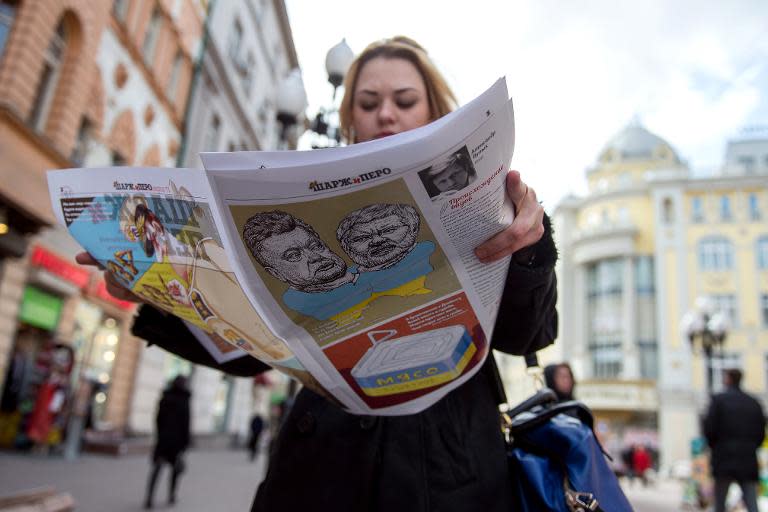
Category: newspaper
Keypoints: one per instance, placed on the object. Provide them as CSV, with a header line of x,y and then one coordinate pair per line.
x,y
350,269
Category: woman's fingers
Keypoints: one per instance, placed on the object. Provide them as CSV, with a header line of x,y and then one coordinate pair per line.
x,y
114,287
85,258
119,291
526,229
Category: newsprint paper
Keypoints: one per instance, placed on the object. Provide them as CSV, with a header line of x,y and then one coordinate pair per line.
x,y
350,269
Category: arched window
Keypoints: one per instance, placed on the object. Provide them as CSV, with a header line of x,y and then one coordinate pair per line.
x,y
120,9
49,78
151,37
761,250
725,209
7,14
715,253
668,211
212,135
173,81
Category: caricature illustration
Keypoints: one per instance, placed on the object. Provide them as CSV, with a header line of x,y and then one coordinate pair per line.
x,y
194,265
291,251
381,239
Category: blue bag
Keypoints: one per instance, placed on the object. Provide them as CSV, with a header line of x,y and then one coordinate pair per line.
x,y
555,461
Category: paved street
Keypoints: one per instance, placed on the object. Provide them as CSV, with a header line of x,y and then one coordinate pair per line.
x,y
221,480
215,480
664,496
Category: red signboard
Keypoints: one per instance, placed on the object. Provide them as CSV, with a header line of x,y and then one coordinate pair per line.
x,y
60,267
100,291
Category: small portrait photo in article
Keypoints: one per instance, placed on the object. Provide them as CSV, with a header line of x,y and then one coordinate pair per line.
x,y
449,175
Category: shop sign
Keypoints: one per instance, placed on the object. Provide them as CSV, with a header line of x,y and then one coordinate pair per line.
x,y
60,267
40,309
618,395
100,290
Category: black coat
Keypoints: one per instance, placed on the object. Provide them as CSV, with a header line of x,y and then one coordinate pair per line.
x,y
449,457
734,427
172,424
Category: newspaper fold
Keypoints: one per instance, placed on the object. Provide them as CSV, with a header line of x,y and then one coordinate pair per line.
x,y
350,269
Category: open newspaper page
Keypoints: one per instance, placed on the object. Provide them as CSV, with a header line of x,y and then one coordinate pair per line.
x,y
155,230
362,256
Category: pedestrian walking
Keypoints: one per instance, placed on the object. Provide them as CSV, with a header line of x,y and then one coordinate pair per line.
x,y
256,427
734,427
451,456
172,425
641,463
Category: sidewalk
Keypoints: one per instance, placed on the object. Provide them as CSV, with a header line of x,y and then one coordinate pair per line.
x,y
221,480
661,496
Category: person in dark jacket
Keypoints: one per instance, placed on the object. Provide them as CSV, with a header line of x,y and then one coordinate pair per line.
x,y
559,378
734,427
256,427
451,456
172,424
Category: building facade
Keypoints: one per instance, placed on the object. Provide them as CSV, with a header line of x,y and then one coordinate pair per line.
x,y
247,51
636,252
81,84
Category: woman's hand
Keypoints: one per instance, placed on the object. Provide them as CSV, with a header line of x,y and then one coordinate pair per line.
x,y
114,288
526,229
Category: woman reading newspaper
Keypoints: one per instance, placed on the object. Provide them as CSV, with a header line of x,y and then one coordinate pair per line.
x,y
450,457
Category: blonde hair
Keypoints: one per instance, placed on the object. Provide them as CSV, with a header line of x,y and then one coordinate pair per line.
x,y
440,98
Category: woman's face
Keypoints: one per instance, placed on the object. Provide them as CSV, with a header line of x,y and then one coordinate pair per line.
x,y
563,380
390,97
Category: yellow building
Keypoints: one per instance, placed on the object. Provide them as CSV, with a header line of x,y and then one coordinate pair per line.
x,y
648,239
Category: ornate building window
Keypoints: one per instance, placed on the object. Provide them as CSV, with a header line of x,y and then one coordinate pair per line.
x,y
764,308
120,9
720,363
173,81
726,214
668,211
7,14
645,291
80,151
211,142
49,78
697,210
604,317
754,207
726,303
761,252
235,38
715,253
151,37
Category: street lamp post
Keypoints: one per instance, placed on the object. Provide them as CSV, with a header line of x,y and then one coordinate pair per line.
x,y
337,62
291,102
708,328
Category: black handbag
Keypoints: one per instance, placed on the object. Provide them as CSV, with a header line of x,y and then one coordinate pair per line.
x,y
555,461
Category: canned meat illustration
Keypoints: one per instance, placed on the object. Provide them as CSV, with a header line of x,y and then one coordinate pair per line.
x,y
414,362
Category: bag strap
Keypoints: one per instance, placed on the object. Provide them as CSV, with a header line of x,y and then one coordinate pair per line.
x,y
497,385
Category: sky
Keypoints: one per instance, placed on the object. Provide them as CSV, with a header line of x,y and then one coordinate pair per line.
x,y
694,72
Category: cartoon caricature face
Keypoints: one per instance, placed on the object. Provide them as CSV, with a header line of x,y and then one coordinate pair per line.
x,y
379,235
301,259
150,231
380,240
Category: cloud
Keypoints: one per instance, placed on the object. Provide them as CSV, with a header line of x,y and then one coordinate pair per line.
x,y
693,70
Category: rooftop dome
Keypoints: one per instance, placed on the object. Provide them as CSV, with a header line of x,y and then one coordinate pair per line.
x,y
634,142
